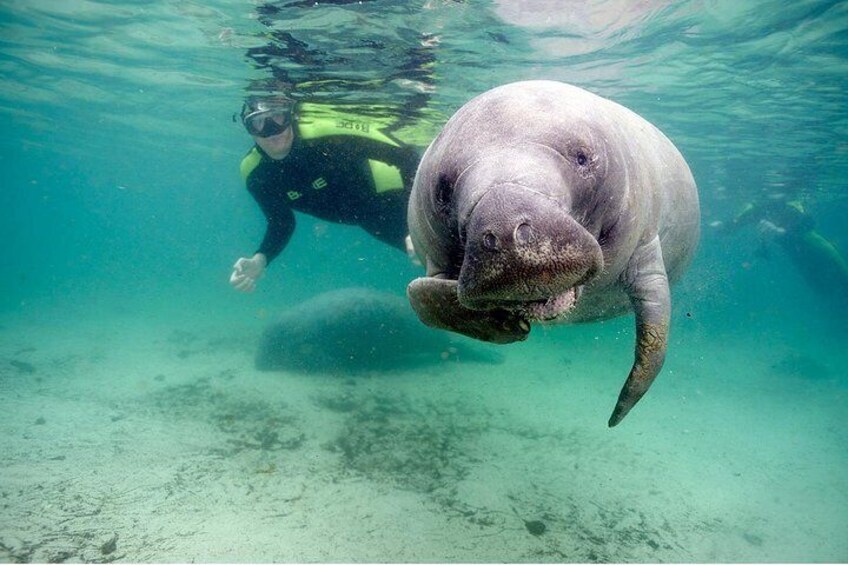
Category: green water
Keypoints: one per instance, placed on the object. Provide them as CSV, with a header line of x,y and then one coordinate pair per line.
x,y
122,211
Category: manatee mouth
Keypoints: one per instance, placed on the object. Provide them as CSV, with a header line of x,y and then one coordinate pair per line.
x,y
551,308
543,310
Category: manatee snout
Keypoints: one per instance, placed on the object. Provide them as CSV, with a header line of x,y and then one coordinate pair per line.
x,y
523,247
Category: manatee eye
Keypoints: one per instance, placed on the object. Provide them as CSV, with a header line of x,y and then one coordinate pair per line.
x,y
582,159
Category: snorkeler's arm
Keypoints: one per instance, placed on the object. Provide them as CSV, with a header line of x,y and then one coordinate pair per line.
x,y
280,218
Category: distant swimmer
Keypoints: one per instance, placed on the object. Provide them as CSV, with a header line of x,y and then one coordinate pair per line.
x,y
785,222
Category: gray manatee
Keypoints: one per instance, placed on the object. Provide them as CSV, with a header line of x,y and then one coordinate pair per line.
x,y
542,202
355,330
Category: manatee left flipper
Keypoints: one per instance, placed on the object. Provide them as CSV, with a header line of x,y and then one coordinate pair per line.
x,y
647,284
437,304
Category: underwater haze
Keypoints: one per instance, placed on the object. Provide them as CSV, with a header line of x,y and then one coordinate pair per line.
x,y
138,423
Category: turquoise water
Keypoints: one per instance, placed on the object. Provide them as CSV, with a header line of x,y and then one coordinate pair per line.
x,y
132,409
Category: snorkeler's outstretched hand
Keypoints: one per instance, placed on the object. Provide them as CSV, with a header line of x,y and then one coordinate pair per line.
x,y
247,271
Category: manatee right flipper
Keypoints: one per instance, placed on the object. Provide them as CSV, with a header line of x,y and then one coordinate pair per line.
x,y
437,304
647,284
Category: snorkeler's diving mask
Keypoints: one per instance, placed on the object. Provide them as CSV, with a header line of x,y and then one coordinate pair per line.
x,y
264,118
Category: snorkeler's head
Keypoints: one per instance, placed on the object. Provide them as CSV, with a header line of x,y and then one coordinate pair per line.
x,y
266,116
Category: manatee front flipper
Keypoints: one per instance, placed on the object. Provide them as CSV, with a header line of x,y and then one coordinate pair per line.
x,y
647,285
437,304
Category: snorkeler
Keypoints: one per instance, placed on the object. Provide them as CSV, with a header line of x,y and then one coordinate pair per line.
x,y
785,222
331,166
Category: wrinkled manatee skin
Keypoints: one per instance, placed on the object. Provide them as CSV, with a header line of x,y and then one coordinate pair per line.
x,y
541,202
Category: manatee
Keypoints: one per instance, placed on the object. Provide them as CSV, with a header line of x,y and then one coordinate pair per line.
x,y
540,202
358,329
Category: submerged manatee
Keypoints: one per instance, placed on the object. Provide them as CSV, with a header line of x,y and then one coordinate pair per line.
x,y
542,202
358,329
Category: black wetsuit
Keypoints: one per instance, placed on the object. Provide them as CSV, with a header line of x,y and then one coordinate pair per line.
x,y
345,179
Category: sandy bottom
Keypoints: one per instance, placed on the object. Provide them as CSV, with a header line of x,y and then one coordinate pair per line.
x,y
145,439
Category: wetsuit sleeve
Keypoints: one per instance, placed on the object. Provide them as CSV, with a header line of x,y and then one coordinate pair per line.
x,y
386,219
405,158
280,218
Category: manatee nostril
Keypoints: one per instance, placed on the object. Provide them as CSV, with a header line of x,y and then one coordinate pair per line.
x,y
490,241
523,234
